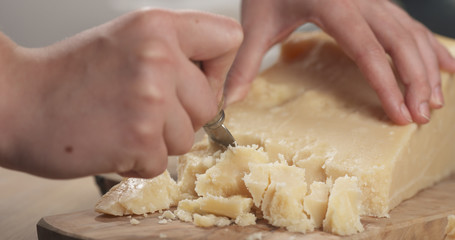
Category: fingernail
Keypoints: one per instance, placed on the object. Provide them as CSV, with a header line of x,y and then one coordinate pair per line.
x,y
405,112
424,110
437,96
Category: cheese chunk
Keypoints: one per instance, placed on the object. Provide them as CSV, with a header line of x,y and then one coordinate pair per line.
x,y
231,207
245,219
343,210
450,228
201,157
225,178
317,103
210,220
315,204
280,190
140,196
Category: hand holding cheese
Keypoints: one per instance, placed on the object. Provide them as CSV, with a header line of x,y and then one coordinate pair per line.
x,y
367,31
120,97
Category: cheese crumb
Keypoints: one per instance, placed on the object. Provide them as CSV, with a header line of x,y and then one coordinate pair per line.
x,y
162,221
254,236
167,215
134,221
183,215
245,219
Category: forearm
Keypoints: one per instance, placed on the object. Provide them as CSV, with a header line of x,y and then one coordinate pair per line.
x,y
6,62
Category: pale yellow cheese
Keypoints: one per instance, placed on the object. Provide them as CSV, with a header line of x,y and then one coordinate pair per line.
x,y
140,196
317,103
450,228
225,178
343,210
280,189
210,220
309,119
201,158
245,219
183,215
230,207
315,204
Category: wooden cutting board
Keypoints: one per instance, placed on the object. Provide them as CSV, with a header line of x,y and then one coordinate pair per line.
x,y
422,217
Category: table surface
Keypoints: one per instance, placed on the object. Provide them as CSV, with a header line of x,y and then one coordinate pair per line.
x,y
25,199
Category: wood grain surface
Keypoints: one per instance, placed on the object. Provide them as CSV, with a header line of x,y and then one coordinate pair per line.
x,y
422,217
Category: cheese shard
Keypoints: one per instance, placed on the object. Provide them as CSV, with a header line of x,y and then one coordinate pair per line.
x,y
201,157
343,210
280,189
231,207
316,203
316,92
140,196
210,220
225,178
450,228
245,219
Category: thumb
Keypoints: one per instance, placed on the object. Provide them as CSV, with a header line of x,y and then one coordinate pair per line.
x,y
245,67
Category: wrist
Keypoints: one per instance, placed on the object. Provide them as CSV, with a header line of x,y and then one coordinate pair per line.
x,y
12,74
6,54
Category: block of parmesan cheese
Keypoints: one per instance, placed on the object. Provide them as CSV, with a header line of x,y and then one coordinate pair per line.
x,y
140,196
316,110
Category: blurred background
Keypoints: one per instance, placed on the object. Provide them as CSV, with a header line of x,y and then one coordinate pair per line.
x,y
24,199
35,23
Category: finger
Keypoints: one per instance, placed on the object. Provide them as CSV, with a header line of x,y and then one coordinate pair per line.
x,y
195,94
445,59
151,163
426,49
211,39
405,53
245,67
262,25
178,129
362,46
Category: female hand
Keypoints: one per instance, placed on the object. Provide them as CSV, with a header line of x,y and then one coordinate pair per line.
x,y
120,97
367,31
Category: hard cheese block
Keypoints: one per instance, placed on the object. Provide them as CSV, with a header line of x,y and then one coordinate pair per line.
x,y
316,110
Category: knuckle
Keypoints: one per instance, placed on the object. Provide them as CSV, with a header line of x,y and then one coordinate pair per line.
x,y
369,53
152,18
235,33
422,88
406,40
153,168
143,135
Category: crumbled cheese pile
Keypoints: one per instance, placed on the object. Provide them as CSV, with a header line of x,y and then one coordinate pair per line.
x,y
238,186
